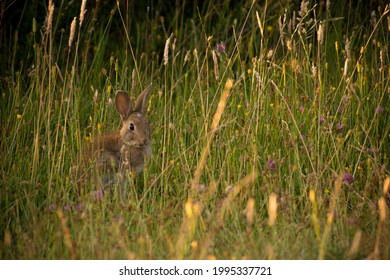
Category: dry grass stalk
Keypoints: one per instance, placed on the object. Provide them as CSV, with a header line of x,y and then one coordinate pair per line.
x,y
382,209
330,217
272,209
72,32
244,182
215,60
82,11
250,211
166,49
355,244
386,186
214,125
67,238
192,211
49,19
380,231
314,214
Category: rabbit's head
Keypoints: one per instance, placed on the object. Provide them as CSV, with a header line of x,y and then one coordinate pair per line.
x,y
135,130
134,146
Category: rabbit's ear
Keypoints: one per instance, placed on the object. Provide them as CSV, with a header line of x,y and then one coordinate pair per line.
x,y
142,99
123,104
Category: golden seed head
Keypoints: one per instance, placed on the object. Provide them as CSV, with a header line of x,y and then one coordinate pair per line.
x,y
320,34
386,186
272,208
188,208
166,50
82,11
250,210
72,32
312,196
382,209
49,19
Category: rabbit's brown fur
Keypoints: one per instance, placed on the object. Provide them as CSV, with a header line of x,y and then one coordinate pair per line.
x,y
123,150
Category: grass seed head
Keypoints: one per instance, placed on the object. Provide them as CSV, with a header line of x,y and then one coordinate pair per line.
x,y
72,32
82,11
272,209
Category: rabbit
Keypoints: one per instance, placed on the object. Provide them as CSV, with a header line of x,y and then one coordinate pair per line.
x,y
126,149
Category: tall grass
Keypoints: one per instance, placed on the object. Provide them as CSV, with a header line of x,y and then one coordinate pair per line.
x,y
270,131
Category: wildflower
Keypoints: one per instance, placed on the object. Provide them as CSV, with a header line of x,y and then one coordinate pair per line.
x,y
52,207
221,47
348,178
99,194
271,164
339,127
18,116
301,108
79,207
352,220
321,120
67,207
380,109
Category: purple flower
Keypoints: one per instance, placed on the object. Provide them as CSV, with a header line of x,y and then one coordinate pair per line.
x,y
80,207
348,178
339,127
301,108
271,164
380,109
303,137
221,47
352,220
52,207
67,207
99,195
321,120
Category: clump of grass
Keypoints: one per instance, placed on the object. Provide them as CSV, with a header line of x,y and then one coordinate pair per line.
x,y
270,132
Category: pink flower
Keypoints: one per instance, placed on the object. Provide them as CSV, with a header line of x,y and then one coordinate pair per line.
x,y
348,178
271,164
380,109
221,47
339,127
52,207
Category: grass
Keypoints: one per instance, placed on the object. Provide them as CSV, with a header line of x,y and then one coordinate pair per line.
x,y
270,131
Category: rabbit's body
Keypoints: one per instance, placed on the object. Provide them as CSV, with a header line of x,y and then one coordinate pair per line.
x,y
123,150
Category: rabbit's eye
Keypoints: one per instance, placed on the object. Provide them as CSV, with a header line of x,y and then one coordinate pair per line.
x,y
131,127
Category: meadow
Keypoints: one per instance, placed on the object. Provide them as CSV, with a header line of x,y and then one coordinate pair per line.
x,y
270,129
